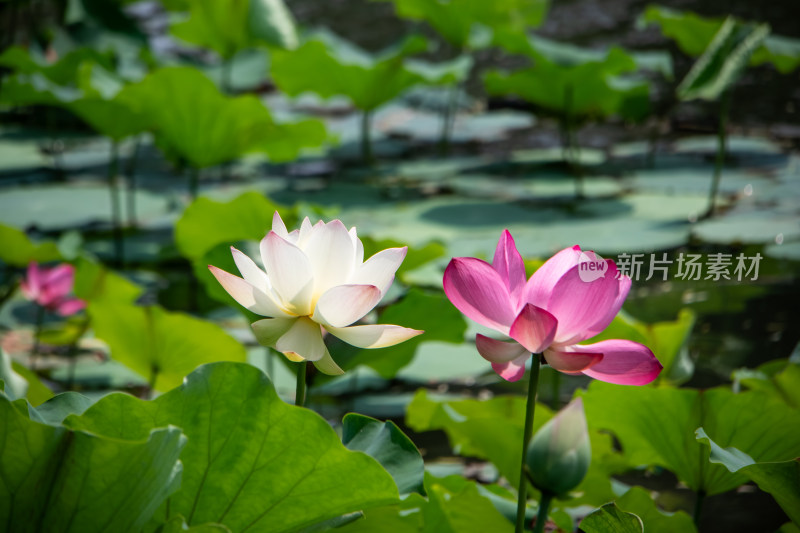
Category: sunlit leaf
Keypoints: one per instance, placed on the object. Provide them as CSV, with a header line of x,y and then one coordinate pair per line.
x,y
204,127
330,66
468,23
16,249
778,378
252,462
656,427
230,27
72,481
159,344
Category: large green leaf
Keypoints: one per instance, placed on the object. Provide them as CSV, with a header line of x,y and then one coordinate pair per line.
x,y
388,445
330,66
160,344
723,61
64,72
94,283
468,23
579,86
58,480
229,27
16,249
252,462
693,33
204,127
656,427
781,479
611,519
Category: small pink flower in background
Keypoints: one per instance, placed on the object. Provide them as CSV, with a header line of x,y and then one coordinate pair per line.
x,y
51,288
315,280
550,313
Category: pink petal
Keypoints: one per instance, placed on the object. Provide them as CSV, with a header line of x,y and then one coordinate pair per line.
x,y
537,290
303,341
477,290
571,362
250,271
534,328
359,246
289,271
33,281
341,306
624,362
374,336
379,269
513,370
246,295
578,305
508,263
55,284
70,306
624,289
496,351
330,251
269,330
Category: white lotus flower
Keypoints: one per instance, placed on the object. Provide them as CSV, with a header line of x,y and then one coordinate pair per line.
x,y
316,280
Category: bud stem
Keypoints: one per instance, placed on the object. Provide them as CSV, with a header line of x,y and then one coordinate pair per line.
x,y
522,492
544,508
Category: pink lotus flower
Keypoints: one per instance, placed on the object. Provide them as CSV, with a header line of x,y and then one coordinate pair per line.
x,y
550,313
50,288
315,280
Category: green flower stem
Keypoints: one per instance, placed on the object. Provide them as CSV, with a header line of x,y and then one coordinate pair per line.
x,y
130,172
698,507
448,117
544,508
300,391
522,493
116,217
37,334
725,104
366,139
72,354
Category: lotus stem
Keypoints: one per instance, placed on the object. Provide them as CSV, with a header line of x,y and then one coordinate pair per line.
x,y
725,102
130,172
72,353
116,223
300,390
366,141
194,181
544,507
698,507
448,117
269,359
36,336
522,492
151,383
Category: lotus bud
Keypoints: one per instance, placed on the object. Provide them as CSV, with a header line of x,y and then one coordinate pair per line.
x,y
560,452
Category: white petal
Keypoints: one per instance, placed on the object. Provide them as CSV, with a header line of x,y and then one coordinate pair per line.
x,y
327,365
379,269
374,336
329,248
303,339
358,245
290,272
251,273
278,226
305,230
343,305
246,295
269,330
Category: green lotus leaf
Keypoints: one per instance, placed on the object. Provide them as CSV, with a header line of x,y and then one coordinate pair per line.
x,y
252,462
